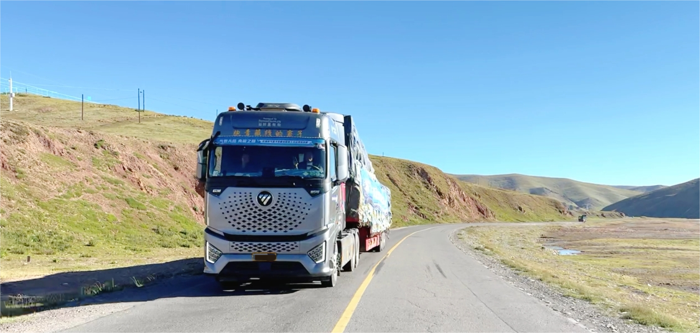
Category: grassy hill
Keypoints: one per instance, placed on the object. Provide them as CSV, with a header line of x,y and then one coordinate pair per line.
x,y
573,193
681,201
110,192
105,118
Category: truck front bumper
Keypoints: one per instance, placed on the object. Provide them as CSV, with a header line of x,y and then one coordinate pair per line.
x,y
290,265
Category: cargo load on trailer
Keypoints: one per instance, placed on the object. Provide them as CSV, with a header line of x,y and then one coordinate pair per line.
x,y
368,200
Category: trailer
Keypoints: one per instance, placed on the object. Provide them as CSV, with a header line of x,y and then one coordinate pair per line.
x,y
290,195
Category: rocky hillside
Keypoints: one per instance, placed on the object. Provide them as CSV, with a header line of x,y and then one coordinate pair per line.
x,y
76,191
680,201
82,192
573,193
424,193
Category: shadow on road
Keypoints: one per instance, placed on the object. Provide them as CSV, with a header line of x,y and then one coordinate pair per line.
x,y
180,278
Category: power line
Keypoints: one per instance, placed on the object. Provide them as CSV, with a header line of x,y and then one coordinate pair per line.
x,y
116,99
37,76
76,87
172,104
193,101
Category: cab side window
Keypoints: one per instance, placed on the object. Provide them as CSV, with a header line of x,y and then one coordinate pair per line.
x,y
332,163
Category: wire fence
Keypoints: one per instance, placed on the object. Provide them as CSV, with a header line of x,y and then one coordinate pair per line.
x,y
19,88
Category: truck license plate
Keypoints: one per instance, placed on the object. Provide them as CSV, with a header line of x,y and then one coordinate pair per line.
x,y
264,256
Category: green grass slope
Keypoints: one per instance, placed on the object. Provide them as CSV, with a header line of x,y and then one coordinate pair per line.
x,y
573,193
680,201
107,191
79,196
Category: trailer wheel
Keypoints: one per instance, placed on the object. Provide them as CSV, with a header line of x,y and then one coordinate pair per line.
x,y
382,242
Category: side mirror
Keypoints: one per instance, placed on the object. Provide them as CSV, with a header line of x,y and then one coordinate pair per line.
x,y
202,150
342,171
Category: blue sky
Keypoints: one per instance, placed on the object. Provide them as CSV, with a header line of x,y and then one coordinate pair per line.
x,y
602,92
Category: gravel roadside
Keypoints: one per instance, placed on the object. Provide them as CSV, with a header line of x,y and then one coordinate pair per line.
x,y
60,319
592,317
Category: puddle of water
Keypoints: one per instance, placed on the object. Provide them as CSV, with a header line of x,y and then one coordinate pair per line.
x,y
562,251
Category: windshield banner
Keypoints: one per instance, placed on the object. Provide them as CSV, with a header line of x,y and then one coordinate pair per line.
x,y
281,142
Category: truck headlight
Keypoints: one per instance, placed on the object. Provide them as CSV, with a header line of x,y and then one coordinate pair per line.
x,y
213,254
318,253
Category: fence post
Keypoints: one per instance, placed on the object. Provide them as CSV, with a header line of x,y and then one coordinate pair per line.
x,y
11,94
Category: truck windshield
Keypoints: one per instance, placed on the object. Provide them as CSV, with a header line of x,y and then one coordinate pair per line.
x,y
265,162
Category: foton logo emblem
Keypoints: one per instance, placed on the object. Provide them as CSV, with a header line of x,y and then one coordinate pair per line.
x,y
264,198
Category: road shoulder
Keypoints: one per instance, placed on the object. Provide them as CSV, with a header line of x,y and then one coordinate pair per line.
x,y
587,314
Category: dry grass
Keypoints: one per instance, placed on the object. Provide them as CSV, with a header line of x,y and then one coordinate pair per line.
x,y
43,265
648,269
105,118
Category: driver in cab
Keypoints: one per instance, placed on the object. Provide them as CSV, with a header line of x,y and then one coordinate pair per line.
x,y
308,163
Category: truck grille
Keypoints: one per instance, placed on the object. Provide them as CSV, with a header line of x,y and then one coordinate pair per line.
x,y
247,247
286,213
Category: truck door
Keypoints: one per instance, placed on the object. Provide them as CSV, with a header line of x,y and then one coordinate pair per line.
x,y
337,192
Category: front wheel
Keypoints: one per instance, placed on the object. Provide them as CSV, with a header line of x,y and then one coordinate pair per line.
x,y
230,285
333,279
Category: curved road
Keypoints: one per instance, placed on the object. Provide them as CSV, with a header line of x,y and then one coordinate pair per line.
x,y
425,284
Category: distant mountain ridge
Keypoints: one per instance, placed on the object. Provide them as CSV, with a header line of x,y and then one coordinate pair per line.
x,y
677,201
573,193
643,189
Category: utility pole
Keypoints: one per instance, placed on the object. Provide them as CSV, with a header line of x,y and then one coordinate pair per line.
x,y
138,110
11,93
82,104
144,105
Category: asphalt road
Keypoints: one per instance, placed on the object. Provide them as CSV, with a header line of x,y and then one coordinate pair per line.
x,y
425,284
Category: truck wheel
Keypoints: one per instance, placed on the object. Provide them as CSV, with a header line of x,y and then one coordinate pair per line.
x,y
382,242
333,279
230,285
357,249
350,266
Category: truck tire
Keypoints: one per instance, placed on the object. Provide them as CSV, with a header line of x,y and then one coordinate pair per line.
x,y
357,249
333,279
230,285
350,266
382,242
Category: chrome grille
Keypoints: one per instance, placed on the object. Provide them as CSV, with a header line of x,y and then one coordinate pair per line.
x,y
286,212
248,247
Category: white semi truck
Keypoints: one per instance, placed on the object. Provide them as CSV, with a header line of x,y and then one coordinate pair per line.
x,y
290,195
